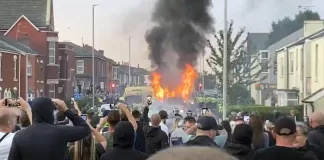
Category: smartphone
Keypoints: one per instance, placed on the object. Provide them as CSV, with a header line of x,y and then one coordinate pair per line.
x,y
105,113
246,118
149,100
84,116
72,102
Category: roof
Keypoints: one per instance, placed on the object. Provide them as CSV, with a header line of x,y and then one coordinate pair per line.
x,y
81,52
287,40
302,40
134,71
314,96
37,11
12,45
256,42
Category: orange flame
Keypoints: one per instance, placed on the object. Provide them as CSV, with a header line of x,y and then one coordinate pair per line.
x,y
183,90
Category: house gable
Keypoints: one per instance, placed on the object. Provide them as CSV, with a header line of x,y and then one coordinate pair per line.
x,y
20,21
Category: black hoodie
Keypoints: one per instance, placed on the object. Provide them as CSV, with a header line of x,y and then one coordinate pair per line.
x,y
316,136
204,141
44,140
239,151
155,138
124,137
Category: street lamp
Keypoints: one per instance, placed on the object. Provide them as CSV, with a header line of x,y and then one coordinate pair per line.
x,y
93,54
225,62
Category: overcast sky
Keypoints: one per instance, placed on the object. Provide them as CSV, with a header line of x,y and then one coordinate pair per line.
x,y
115,21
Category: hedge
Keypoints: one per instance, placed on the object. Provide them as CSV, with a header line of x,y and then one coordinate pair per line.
x,y
267,111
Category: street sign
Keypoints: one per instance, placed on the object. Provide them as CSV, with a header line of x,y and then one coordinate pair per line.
x,y
209,92
77,96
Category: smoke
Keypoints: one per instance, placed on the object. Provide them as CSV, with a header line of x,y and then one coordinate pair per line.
x,y
179,36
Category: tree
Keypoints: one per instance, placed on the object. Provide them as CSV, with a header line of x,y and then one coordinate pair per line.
x,y
287,26
238,64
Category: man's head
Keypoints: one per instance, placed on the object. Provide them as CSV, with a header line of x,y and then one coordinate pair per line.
x,y
301,136
163,115
208,126
243,134
239,119
113,118
191,153
43,110
24,120
60,116
189,122
124,135
156,120
136,114
285,130
8,120
90,113
317,119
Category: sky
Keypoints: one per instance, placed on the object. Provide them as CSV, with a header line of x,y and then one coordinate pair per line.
x,y
116,21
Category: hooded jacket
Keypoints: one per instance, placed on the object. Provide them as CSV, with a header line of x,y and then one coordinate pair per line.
x,y
124,137
204,141
44,140
316,136
155,138
239,151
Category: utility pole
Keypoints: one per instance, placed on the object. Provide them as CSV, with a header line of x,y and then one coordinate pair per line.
x,y
225,62
129,61
93,55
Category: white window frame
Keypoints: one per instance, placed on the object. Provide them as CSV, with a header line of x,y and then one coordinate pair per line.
x,y
261,54
51,58
51,91
30,96
294,100
80,68
291,62
29,68
15,67
115,73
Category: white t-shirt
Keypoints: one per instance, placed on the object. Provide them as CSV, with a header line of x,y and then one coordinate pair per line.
x,y
5,145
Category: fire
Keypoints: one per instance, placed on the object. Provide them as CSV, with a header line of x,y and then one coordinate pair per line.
x,y
183,90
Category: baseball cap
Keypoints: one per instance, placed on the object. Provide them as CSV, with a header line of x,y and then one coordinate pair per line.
x,y
239,116
285,126
208,123
163,114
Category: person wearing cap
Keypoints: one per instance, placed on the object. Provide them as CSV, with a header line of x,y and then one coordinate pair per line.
x,y
285,133
164,116
207,129
239,119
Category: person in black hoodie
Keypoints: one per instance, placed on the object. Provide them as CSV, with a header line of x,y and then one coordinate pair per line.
x,y
140,138
155,138
242,140
124,138
207,129
44,140
316,136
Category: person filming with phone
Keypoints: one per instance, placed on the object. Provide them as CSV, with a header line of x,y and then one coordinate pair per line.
x,y
44,140
10,110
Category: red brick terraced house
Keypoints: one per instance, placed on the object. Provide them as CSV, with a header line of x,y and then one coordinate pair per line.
x,y
31,22
14,69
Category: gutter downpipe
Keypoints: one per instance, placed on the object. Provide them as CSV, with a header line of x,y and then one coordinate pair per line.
x,y
27,75
288,67
19,77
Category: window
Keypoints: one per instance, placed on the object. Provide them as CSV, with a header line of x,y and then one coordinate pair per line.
x,y
15,67
134,80
291,63
138,80
115,73
29,68
316,62
125,79
80,66
51,52
281,67
264,67
51,90
292,99
30,96
264,55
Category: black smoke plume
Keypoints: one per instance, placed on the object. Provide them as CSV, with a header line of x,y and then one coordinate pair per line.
x,y
181,27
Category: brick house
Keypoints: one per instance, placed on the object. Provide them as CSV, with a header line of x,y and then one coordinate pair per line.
x,y
32,23
83,72
13,68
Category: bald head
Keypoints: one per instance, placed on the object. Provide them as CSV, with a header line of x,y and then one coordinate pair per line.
x,y
317,119
6,117
191,153
156,120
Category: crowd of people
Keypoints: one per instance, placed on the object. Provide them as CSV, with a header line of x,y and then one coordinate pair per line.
x,y
48,129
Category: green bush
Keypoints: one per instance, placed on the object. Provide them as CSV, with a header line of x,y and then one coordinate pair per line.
x,y
267,111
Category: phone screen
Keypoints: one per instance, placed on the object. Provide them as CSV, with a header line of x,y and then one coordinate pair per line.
x,y
84,117
246,118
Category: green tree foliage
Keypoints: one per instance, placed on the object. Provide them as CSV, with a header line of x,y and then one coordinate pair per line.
x,y
286,26
238,64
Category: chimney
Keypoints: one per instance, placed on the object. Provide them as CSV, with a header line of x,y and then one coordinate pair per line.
x,y
101,51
